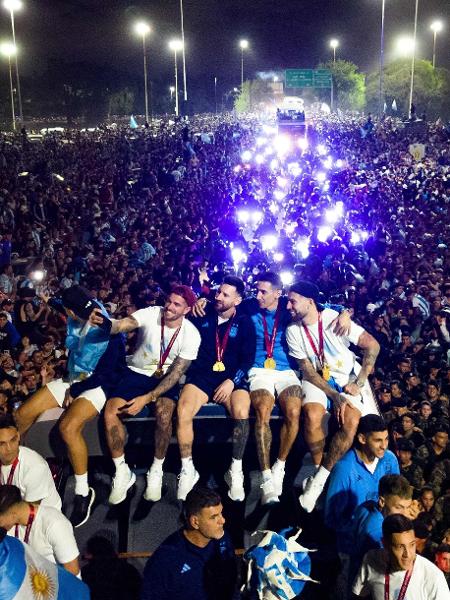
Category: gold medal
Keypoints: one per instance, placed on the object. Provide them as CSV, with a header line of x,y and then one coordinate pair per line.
x,y
326,372
270,363
158,373
218,366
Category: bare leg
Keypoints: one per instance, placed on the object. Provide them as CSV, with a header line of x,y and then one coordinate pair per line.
x,y
240,409
71,427
163,432
263,403
313,414
343,439
30,410
115,429
290,402
191,400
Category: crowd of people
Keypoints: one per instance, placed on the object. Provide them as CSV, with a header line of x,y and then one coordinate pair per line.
x,y
214,260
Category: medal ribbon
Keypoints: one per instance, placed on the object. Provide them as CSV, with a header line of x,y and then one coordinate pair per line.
x,y
404,587
221,347
31,517
269,342
321,353
163,354
11,473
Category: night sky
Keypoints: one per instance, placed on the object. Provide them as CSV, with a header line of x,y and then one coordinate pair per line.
x,y
282,33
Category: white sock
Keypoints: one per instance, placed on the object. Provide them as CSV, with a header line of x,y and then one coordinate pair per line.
x,y
321,476
280,464
187,463
266,474
119,461
236,464
157,464
81,485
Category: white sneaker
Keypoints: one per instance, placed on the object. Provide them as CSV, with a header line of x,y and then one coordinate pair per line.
x,y
123,480
268,495
277,478
154,485
235,481
186,481
312,490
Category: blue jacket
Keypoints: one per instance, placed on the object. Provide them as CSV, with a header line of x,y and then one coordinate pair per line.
x,y
178,570
351,484
9,337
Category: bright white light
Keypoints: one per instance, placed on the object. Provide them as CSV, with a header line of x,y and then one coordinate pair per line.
x,y
279,195
274,164
269,130
436,26
355,238
291,227
321,149
302,144
405,45
303,247
176,45
8,49
332,216
260,141
324,233
334,43
282,181
256,216
286,277
269,242
364,235
243,216
339,208
142,28
268,150
237,255
12,5
243,44
37,275
278,256
237,168
328,162
321,177
259,159
339,163
246,156
273,208
282,144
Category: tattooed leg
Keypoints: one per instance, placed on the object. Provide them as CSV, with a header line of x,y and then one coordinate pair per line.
x,y
313,414
343,439
263,403
191,400
290,402
115,429
163,432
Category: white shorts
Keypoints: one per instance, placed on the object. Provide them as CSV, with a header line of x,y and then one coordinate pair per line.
x,y
58,388
364,403
271,380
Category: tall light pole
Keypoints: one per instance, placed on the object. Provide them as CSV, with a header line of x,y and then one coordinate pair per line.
x,y
143,30
171,90
413,60
334,43
243,45
12,6
436,27
184,52
8,49
176,46
380,95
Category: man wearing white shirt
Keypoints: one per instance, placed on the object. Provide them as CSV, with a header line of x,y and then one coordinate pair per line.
x,y
330,372
167,344
24,467
396,571
44,528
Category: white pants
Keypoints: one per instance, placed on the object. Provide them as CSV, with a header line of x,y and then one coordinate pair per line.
x,y
58,388
271,380
364,402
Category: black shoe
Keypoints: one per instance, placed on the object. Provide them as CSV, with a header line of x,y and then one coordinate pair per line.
x,y
82,508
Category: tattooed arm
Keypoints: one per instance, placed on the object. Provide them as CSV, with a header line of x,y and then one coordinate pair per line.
x,y
176,370
371,349
311,375
116,325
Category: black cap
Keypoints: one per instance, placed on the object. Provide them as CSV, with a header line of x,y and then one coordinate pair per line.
x,y
306,289
79,300
399,402
405,445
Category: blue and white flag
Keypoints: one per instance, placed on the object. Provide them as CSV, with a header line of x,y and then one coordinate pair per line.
x,y
133,124
26,575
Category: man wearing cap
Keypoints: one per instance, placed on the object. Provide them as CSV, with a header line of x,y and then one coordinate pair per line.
x,y
408,468
330,371
95,363
167,344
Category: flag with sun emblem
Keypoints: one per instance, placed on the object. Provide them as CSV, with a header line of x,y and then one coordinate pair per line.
x,y
26,575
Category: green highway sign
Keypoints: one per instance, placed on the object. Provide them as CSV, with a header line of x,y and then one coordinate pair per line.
x,y
299,78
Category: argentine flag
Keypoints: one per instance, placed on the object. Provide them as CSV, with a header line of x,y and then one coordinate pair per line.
x,y
26,575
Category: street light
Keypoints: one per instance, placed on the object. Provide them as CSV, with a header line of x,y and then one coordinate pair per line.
x,y
381,86
9,49
243,45
334,43
143,30
171,90
12,6
176,46
405,46
436,27
184,51
413,60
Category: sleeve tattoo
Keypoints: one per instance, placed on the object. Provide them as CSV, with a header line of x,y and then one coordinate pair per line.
x,y
124,325
176,370
311,375
371,349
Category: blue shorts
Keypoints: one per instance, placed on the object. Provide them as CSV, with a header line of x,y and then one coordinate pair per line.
x,y
135,384
208,382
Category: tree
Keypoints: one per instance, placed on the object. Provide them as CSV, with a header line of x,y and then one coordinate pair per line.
x,y
349,84
254,95
121,103
431,88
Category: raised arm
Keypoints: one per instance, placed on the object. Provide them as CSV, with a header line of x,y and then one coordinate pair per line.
x,y
124,325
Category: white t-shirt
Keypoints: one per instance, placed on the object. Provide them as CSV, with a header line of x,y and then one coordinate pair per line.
x,y
340,359
51,535
34,478
146,357
427,581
